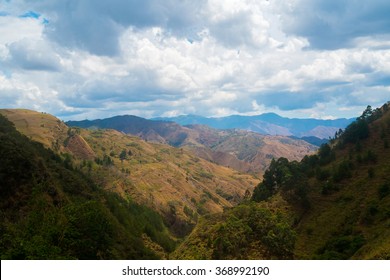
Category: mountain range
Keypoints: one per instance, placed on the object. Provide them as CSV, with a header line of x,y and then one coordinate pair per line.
x,y
269,123
69,192
243,150
174,182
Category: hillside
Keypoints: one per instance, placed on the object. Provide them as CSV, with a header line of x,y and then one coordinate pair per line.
x,y
332,205
269,123
350,194
174,182
248,231
340,197
252,150
49,210
242,150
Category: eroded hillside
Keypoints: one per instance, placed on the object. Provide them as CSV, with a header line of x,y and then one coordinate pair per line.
x,y
241,150
173,181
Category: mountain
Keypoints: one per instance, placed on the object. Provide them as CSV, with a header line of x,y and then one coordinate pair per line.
x,y
50,210
331,205
102,194
174,182
268,123
242,150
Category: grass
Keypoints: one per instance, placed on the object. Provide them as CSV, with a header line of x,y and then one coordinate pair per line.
x,y
152,174
356,208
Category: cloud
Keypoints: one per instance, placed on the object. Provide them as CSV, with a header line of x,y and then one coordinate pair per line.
x,y
238,24
96,26
13,29
151,58
33,55
334,24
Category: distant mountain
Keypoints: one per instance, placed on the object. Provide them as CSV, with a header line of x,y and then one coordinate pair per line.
x,y
312,140
103,194
242,150
268,123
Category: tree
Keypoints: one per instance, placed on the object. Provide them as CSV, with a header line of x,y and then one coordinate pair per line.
x,y
367,113
123,155
324,151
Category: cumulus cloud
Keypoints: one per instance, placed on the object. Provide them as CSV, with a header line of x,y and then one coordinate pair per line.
x,y
33,55
333,24
96,26
86,59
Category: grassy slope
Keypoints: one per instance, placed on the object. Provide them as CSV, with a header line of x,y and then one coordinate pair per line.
x,y
350,220
357,209
40,127
174,182
253,152
241,150
51,211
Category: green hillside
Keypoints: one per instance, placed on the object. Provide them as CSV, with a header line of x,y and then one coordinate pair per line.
x,y
51,211
332,205
173,182
78,202
341,196
247,231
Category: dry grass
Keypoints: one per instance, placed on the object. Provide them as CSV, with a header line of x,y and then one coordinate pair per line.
x,y
173,181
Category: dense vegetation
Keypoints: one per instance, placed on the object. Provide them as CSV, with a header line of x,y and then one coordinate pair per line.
x,y
331,205
340,196
246,231
51,211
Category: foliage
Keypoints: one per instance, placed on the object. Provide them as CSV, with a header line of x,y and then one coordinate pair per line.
x,y
325,154
359,129
288,178
341,247
346,185
51,211
245,231
123,155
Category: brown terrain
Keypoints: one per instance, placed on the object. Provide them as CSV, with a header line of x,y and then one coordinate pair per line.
x,y
174,181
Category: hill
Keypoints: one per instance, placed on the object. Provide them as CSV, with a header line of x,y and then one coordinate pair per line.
x,y
49,210
341,201
332,205
269,123
174,182
242,150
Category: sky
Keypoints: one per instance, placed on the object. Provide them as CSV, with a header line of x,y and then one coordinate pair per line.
x,y
88,59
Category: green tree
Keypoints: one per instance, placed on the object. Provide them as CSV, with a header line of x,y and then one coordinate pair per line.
x,y
123,155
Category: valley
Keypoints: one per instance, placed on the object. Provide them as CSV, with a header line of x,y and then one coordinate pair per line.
x,y
331,205
201,193
174,182
242,150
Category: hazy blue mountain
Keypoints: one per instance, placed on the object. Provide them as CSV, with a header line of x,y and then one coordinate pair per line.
x,y
268,123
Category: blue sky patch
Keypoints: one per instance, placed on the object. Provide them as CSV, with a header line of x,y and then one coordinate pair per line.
x,y
30,14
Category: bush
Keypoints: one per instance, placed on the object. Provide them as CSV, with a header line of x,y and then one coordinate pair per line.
x,y
383,191
342,247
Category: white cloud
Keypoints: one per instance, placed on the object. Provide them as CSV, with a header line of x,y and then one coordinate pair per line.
x,y
211,58
33,55
14,29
